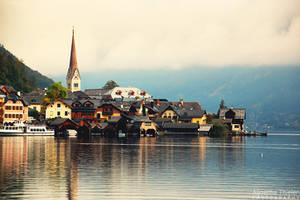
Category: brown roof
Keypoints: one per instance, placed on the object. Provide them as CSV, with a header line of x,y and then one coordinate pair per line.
x,y
240,113
187,105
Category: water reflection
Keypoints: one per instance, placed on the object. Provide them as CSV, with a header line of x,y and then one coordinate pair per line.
x,y
142,168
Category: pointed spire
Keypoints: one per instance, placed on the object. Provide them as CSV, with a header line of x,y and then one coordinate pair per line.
x,y
73,58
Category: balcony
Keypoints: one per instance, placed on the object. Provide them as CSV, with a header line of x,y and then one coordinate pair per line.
x,y
107,113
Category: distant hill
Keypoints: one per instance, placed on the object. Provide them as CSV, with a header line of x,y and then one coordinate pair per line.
x,y
15,73
271,95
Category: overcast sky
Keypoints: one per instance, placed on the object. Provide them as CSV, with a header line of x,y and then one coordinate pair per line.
x,y
151,34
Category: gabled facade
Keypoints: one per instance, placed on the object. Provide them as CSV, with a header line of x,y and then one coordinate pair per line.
x,y
58,108
237,117
193,116
84,109
73,76
14,110
106,111
170,113
12,106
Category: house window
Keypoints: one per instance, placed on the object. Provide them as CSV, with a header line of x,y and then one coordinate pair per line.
x,y
236,126
58,105
58,113
76,85
147,123
98,116
66,113
34,108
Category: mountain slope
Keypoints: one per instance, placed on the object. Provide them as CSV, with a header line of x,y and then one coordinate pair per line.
x,y
14,73
271,95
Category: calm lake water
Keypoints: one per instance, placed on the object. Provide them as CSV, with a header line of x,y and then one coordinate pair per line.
x,y
151,168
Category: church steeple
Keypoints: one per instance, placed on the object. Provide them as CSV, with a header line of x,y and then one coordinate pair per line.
x,y
73,76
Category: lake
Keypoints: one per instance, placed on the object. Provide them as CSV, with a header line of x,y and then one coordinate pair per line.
x,y
165,167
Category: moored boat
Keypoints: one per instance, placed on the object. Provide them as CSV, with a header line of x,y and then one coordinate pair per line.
x,y
21,129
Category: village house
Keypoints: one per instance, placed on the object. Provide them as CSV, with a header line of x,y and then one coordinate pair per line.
x,y
84,109
34,99
58,108
234,118
106,111
193,116
171,113
14,107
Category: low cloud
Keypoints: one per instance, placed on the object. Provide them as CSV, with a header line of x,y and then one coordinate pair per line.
x,y
142,34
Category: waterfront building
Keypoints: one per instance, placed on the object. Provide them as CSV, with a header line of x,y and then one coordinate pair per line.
x,y
234,118
106,111
171,113
84,109
14,108
58,108
193,116
73,75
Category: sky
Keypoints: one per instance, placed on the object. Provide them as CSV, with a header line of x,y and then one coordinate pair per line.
x,y
151,34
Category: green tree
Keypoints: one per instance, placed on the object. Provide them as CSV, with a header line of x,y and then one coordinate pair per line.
x,y
111,84
56,91
209,118
34,113
219,129
222,104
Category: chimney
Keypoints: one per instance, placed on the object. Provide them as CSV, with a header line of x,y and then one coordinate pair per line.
x,y
157,102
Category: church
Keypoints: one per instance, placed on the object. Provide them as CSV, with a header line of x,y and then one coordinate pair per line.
x,y
73,75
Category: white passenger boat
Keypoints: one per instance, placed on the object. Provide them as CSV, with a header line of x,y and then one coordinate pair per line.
x,y
21,129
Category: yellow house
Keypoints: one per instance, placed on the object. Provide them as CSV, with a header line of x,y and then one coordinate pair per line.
x,y
148,127
36,107
199,120
170,113
35,99
58,108
237,127
107,111
193,116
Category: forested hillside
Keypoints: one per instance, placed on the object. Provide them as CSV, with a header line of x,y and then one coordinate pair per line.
x,y
15,73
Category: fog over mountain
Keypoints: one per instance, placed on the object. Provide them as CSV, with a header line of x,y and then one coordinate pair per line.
x,y
270,95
